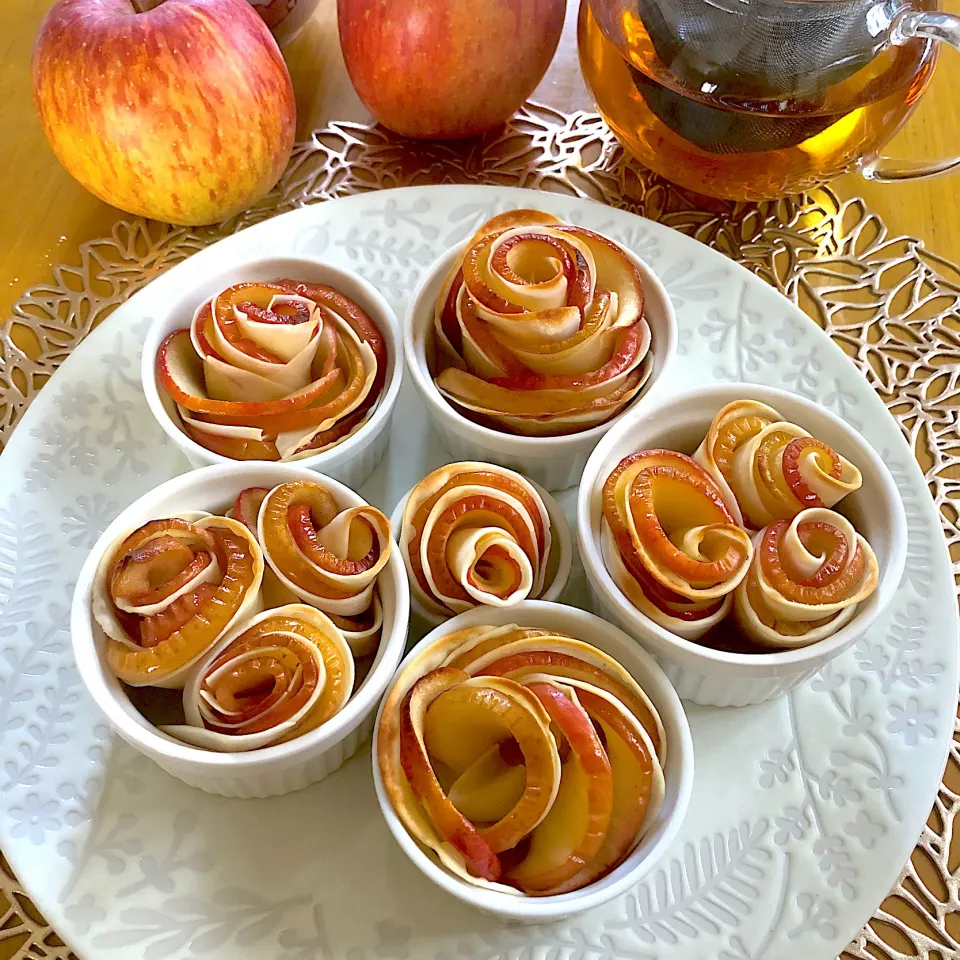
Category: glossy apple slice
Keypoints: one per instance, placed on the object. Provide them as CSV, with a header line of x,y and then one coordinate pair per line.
x,y
806,579
330,557
770,469
573,831
486,506
690,619
540,328
564,658
274,370
246,508
638,783
492,785
478,856
180,372
272,678
155,644
466,721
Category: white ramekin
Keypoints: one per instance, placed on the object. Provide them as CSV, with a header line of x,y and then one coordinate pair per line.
x,y
563,544
351,461
260,773
554,462
678,774
680,422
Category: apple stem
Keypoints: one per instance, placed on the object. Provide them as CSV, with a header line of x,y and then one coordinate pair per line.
x,y
142,6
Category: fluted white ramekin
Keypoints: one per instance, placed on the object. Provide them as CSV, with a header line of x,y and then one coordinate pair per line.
x,y
562,543
351,461
272,770
678,772
679,422
554,462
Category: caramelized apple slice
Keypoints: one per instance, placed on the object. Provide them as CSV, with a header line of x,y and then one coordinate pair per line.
x,y
806,579
539,327
464,722
638,783
472,534
564,658
572,833
157,643
479,857
272,678
770,469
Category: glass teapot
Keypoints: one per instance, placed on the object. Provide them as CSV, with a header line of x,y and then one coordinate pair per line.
x,y
754,99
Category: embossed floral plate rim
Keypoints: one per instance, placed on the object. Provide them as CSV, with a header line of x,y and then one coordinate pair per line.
x,y
732,324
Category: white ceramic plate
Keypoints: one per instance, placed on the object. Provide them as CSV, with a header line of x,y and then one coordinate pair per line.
x,y
803,811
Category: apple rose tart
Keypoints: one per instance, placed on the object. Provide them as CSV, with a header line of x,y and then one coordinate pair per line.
x,y
526,760
168,592
473,534
275,370
670,542
274,677
770,469
539,328
807,576
321,555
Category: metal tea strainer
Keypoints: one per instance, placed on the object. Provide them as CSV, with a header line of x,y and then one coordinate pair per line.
x,y
767,49
763,66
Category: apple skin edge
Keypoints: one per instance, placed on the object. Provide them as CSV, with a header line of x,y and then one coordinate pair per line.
x,y
447,69
184,113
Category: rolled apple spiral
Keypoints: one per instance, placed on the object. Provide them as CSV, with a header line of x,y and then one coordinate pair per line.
x,y
770,469
539,328
476,534
274,677
670,542
807,576
275,370
321,555
165,594
527,760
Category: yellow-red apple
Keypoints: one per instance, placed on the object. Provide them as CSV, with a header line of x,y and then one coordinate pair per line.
x,y
444,69
183,112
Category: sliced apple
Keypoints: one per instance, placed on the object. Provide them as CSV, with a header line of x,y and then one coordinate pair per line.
x,y
669,519
491,786
563,657
539,328
181,636
638,783
572,833
479,857
246,508
465,722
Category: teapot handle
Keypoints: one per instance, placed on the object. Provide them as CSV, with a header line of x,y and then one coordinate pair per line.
x,y
944,28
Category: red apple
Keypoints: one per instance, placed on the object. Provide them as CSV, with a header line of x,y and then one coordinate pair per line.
x,y
183,113
447,68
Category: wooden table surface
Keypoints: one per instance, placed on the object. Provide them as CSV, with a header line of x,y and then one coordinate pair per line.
x,y
45,215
